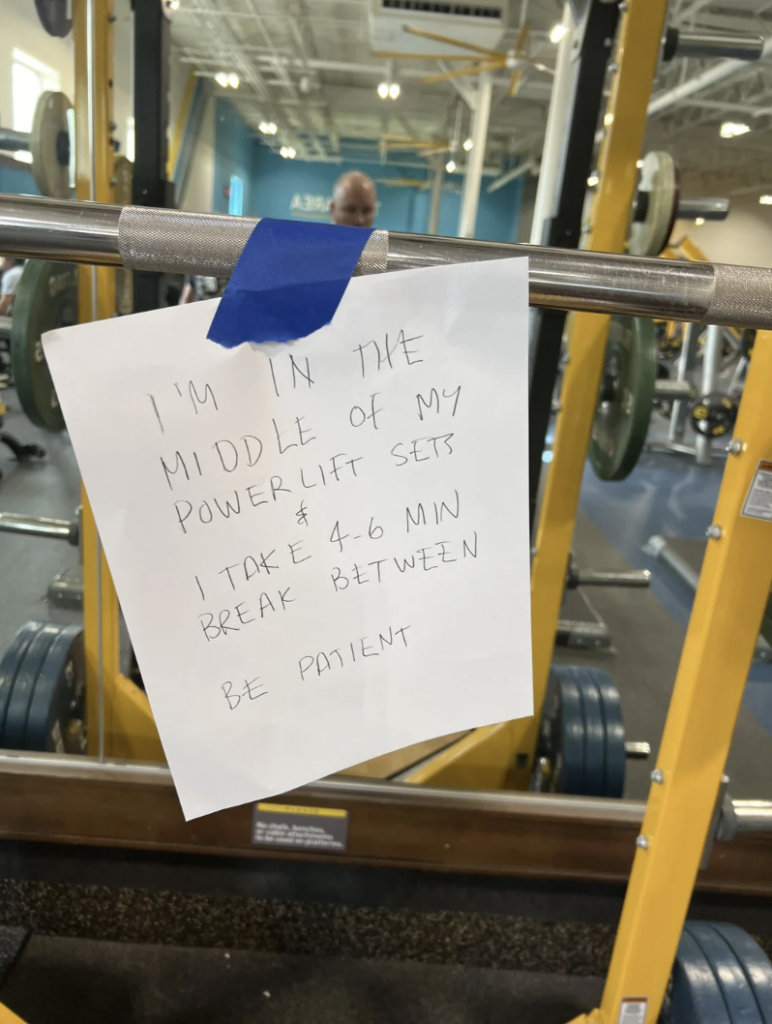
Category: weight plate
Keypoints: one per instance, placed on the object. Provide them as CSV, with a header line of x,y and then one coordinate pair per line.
x,y
714,415
754,961
594,783
626,397
561,736
23,687
581,746
51,145
611,708
9,665
693,995
735,987
58,697
54,16
46,298
657,205
124,173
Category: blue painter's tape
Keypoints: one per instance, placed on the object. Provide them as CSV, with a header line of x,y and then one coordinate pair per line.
x,y
288,281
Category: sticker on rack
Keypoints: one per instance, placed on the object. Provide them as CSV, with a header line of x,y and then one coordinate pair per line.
x,y
307,828
758,504
633,1010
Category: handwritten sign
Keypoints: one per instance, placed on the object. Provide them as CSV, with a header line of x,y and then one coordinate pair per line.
x,y
320,548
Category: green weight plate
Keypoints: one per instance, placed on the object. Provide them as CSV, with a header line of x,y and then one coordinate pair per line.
x,y
24,686
755,963
9,665
626,397
732,980
694,995
46,298
594,782
615,758
58,696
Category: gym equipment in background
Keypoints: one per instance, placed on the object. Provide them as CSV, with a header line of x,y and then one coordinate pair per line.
x,y
42,690
46,299
51,144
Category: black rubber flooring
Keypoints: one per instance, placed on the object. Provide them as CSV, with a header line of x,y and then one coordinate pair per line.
x,y
67,980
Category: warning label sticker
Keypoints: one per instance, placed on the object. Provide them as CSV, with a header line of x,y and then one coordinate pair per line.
x,y
758,504
633,1011
308,828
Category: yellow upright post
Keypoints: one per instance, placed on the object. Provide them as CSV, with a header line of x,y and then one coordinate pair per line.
x,y
93,45
728,608
111,700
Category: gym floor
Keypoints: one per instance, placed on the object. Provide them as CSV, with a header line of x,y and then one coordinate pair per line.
x,y
126,938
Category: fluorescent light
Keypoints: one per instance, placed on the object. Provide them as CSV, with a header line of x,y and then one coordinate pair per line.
x,y
593,180
765,200
267,127
222,79
731,129
287,152
468,144
394,90
450,166
699,221
383,90
557,32
233,80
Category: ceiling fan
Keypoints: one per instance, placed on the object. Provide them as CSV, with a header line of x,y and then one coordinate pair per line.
x,y
480,58
404,143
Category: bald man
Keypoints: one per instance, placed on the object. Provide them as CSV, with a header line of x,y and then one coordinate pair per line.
x,y
354,200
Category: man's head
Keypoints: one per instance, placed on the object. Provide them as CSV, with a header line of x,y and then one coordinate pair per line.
x,y
6,262
354,200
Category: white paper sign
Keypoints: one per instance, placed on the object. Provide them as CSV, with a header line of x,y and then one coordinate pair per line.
x,y
321,548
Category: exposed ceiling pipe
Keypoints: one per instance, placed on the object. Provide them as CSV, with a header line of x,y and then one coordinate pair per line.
x,y
717,73
516,172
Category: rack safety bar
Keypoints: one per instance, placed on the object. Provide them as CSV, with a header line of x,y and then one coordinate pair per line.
x,y
170,241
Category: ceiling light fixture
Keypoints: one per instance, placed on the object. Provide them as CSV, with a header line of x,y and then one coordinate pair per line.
x,y
639,164
731,129
394,90
699,221
267,127
557,32
383,90
450,166
765,200
226,78
608,120
468,143
287,152
593,180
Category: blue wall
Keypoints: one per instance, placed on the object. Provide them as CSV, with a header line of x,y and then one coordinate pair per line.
x,y
14,179
234,147
276,182
275,187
